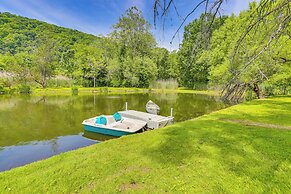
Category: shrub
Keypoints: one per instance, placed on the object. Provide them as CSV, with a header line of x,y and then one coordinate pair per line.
x,y
268,90
24,89
12,90
75,90
103,90
60,82
2,89
165,84
6,82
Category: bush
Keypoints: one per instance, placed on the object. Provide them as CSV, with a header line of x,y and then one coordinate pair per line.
x,y
6,82
103,90
24,89
75,90
2,89
12,90
268,90
274,89
60,82
250,95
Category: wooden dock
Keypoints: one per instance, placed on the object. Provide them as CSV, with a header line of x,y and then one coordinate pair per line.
x,y
153,121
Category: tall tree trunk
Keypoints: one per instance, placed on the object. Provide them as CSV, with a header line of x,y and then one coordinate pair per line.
x,y
44,76
257,90
43,82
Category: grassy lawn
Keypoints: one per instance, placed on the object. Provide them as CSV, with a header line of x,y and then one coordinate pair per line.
x,y
235,150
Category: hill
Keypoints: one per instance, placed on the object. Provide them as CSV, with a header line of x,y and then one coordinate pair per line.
x,y
21,34
36,52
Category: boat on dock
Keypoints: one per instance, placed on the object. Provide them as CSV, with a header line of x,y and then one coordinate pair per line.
x,y
126,122
152,108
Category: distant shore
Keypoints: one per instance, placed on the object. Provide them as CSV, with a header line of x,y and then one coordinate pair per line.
x,y
114,90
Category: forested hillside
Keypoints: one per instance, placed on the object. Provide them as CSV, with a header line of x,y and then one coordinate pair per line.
x,y
35,53
242,55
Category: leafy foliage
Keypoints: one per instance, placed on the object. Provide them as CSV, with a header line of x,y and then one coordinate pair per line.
x,y
194,72
240,54
35,52
239,64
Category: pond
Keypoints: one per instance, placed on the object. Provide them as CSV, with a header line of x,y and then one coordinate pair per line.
x,y
34,127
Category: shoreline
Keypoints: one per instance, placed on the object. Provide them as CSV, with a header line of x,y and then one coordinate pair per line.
x,y
111,90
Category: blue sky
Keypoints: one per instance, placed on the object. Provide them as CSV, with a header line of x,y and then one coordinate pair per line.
x,y
97,16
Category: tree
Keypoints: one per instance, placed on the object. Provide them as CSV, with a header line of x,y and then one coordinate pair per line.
x,y
166,63
92,65
245,63
135,42
194,72
44,62
173,69
253,66
20,65
132,33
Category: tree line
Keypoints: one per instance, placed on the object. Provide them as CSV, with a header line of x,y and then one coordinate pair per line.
x,y
242,55
236,53
35,53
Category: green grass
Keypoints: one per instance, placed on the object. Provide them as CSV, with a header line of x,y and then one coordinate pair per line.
x,y
206,155
113,90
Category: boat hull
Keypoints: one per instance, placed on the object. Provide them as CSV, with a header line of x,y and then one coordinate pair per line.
x,y
105,131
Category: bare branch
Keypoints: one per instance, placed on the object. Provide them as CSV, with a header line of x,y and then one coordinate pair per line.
x,y
167,8
189,14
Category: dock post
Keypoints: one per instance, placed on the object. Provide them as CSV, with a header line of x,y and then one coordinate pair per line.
x,y
171,112
126,106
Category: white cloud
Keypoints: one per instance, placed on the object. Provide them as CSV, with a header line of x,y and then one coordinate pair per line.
x,y
25,6
236,6
140,4
43,11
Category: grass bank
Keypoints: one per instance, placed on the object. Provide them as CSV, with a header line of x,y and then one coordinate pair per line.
x,y
113,90
241,149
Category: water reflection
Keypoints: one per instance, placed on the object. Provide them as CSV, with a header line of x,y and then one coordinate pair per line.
x,y
97,137
18,155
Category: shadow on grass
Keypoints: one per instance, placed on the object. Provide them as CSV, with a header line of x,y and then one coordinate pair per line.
x,y
263,111
242,150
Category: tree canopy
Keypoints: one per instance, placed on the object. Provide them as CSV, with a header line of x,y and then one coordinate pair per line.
x,y
246,53
241,54
39,51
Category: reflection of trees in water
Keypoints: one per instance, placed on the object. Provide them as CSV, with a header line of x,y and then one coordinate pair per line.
x,y
56,116
38,121
97,136
54,145
7,102
185,106
52,100
136,101
41,100
165,97
189,106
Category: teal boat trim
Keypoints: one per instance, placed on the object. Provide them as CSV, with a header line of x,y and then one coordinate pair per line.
x,y
105,131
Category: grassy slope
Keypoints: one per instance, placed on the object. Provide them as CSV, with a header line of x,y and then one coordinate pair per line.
x,y
207,154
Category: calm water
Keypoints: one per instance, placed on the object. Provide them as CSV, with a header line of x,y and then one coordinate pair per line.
x,y
34,128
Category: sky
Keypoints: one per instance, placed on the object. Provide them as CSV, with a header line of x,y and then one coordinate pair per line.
x,y
97,16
